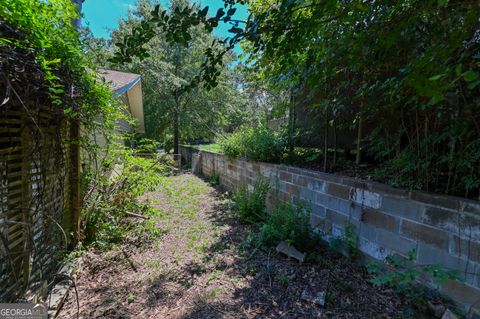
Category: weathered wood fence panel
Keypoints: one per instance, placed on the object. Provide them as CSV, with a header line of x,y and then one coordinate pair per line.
x,y
35,219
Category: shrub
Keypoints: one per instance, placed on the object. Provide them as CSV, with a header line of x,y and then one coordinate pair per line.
x,y
146,145
108,200
258,143
250,206
405,276
290,224
213,179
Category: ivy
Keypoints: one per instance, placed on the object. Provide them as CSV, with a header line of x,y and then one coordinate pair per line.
x,y
69,71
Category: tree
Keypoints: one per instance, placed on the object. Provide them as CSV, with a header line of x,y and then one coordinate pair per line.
x,y
193,113
405,75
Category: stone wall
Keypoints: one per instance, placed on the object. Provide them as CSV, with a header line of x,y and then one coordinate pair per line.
x,y
444,230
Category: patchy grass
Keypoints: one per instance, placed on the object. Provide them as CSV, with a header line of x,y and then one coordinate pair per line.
x,y
214,147
204,263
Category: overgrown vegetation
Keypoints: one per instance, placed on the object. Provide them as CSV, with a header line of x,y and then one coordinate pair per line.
x,y
407,278
395,84
213,179
258,143
286,222
250,205
111,205
290,224
174,114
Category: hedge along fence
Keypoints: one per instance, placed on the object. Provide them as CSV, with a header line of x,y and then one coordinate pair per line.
x,y
444,230
39,187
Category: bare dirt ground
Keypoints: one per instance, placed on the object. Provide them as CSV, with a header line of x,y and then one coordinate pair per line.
x,y
206,265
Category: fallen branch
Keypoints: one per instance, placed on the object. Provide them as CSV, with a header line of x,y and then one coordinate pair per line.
x,y
136,215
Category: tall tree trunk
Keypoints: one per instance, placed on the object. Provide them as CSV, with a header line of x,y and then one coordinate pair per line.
x,y
325,146
176,129
359,135
291,127
335,149
176,134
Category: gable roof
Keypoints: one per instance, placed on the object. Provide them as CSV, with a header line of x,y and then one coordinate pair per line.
x,y
120,82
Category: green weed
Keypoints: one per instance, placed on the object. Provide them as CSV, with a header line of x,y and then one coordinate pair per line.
x,y
250,206
290,224
404,276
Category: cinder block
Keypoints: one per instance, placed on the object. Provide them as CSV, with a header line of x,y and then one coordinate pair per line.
x,y
300,180
465,247
338,190
366,198
320,224
461,293
378,219
469,206
286,177
435,200
318,210
336,218
372,249
307,194
369,232
315,174
430,255
395,242
401,207
441,218
293,189
388,190
337,231
316,185
340,205
426,234
470,225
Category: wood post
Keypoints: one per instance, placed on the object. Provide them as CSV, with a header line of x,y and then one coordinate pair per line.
x,y
75,200
359,135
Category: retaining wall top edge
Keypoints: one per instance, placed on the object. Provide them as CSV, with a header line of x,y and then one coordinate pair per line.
x,y
439,200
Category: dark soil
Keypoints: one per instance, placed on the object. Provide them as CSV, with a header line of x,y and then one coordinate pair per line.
x,y
205,265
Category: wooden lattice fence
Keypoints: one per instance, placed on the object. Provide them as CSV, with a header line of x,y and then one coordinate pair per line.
x,y
37,178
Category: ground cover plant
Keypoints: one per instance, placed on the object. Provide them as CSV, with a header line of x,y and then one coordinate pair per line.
x,y
205,262
111,195
250,205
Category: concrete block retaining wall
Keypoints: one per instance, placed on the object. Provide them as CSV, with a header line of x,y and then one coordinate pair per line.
x,y
444,230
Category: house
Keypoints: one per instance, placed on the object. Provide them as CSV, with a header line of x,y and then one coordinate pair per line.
x,y
128,88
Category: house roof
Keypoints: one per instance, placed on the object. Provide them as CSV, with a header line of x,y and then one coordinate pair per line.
x,y
120,82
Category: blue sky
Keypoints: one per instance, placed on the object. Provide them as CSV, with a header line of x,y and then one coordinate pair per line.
x,y
103,15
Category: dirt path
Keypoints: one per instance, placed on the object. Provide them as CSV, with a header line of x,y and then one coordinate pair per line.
x,y
206,265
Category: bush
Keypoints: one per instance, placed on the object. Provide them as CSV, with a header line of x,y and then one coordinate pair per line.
x,y
146,145
254,143
250,206
290,224
108,199
405,276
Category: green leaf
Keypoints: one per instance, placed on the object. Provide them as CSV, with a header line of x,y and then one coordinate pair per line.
x,y
436,77
470,76
473,85
220,13
235,30
442,2
203,12
458,70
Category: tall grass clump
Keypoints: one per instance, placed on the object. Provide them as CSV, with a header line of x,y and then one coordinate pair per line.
x,y
250,206
290,224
